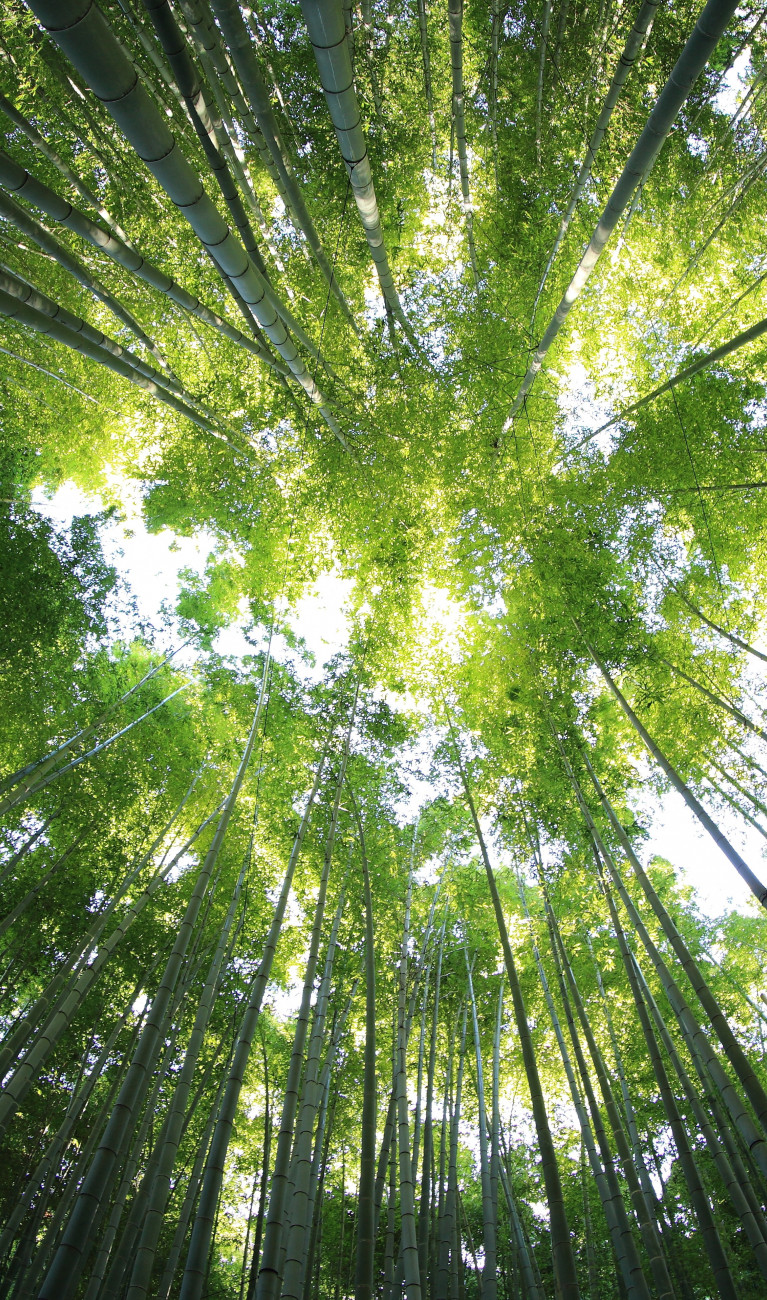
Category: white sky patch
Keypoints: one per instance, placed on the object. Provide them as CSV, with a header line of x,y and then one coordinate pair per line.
x,y
580,410
322,616
582,413
398,701
139,1006
186,861
429,872
495,607
151,562
284,1003
663,1143
419,794
734,85
676,835
231,640
697,146
375,307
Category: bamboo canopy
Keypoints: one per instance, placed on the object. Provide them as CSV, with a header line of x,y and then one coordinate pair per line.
x,y
383,796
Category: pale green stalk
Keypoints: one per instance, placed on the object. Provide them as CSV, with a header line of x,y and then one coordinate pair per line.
x,y
246,63
489,1226
455,27
705,37
408,1241
82,32
56,1008
632,50
296,1237
747,1209
270,1272
65,1270
32,190
564,1261
327,32
16,799
717,1258
27,225
754,883
202,1232
642,1210
610,1195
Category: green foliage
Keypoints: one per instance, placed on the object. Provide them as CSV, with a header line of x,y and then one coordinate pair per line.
x,y
491,569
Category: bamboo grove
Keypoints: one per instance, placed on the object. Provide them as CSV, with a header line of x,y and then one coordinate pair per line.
x,y
364,981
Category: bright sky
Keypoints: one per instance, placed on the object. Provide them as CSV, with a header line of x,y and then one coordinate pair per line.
x,y
677,836
734,84
151,563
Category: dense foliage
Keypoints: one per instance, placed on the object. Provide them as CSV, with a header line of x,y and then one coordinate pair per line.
x,y
355,981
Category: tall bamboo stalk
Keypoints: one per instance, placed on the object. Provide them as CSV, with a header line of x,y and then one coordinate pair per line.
x,y
564,1261
270,1271
40,143
327,32
719,1024
455,25
448,1224
717,1259
426,60
300,1210
22,221
758,889
700,1048
155,1194
622,1240
708,30
33,191
204,1221
408,1239
70,1257
489,1278
246,63
364,1276
87,39
64,995
425,1261
642,1209
631,51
